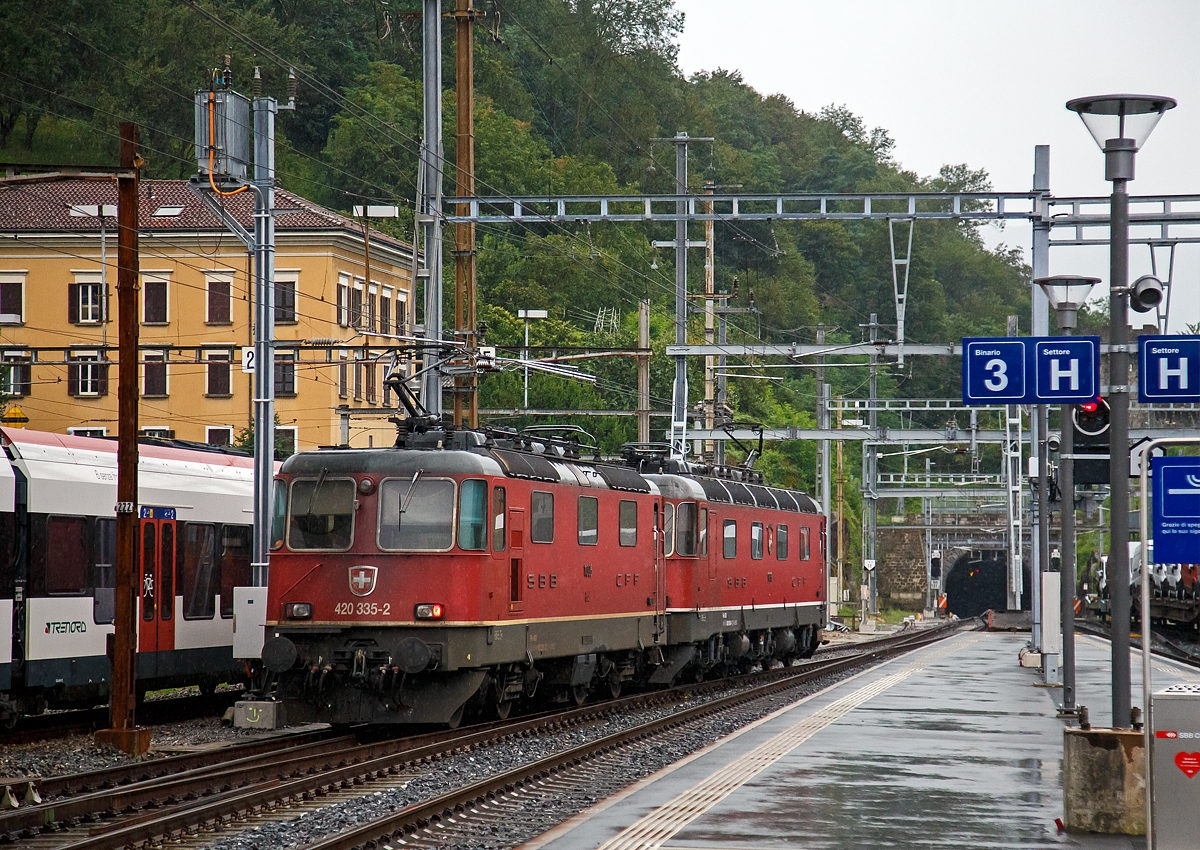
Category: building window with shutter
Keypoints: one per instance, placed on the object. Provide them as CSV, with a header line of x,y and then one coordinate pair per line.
x,y
87,375
343,301
85,300
285,300
154,301
219,293
343,377
369,322
154,374
12,299
370,380
356,307
385,312
358,379
285,373
15,374
401,315
218,383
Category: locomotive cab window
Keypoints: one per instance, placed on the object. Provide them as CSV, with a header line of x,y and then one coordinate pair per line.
x,y
756,540
804,544
729,538
472,515
541,510
628,523
416,514
278,513
685,529
499,513
321,515
704,532
589,521
668,529
781,542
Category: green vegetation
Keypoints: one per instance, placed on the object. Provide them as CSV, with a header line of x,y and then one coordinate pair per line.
x,y
569,95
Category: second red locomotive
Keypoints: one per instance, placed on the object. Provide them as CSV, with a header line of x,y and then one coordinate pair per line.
x,y
465,569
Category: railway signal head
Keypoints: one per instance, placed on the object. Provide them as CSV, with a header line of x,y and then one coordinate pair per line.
x,y
1091,417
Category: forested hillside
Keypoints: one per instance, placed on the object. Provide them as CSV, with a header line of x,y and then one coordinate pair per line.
x,y
570,94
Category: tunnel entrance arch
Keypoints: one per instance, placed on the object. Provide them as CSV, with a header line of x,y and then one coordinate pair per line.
x,y
977,582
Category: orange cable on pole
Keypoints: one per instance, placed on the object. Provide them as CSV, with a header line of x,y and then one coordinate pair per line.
x,y
212,133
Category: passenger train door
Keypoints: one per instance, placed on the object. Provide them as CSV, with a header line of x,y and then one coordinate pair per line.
x,y
156,613
516,560
660,571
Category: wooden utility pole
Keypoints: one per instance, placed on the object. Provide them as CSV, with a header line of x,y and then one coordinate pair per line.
x,y
125,735
464,247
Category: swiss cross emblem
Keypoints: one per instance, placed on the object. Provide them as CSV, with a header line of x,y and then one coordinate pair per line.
x,y
362,580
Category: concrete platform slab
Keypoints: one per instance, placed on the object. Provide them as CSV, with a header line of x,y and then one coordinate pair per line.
x,y
953,746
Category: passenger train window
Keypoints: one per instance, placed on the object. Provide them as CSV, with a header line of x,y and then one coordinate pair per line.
x,y
541,510
804,544
149,582
756,540
499,514
196,570
416,514
703,532
66,554
472,515
729,538
627,522
322,514
104,571
685,529
589,521
235,563
668,529
8,554
781,542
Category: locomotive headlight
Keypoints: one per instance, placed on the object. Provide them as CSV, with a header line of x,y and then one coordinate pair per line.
x,y
429,611
298,611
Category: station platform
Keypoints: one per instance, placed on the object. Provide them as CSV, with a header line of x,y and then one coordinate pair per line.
x,y
952,746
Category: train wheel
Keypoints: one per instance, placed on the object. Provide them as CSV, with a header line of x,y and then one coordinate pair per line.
x,y
580,694
504,708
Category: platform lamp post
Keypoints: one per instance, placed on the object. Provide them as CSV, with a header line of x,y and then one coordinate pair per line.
x,y
1120,124
1066,293
527,315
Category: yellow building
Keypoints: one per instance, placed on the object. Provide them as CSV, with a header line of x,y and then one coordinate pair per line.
x,y
58,312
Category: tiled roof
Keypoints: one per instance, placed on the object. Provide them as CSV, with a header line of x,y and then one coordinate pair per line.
x,y
45,206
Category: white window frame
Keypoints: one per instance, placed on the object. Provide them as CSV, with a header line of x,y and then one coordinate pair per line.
x,y
18,278
92,313
291,276
162,276
85,431
208,434
294,430
146,355
161,432
210,277
14,358
88,363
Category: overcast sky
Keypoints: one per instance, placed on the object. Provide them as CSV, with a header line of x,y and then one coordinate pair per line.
x,y
982,84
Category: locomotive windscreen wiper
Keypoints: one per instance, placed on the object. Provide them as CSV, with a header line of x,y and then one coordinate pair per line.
x,y
404,499
312,500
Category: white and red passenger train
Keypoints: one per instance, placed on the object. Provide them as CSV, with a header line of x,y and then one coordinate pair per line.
x,y
467,570
57,554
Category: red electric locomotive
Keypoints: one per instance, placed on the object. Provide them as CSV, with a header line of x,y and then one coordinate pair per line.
x,y
468,569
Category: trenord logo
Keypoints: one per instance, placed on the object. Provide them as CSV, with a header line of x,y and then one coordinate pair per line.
x,y
66,627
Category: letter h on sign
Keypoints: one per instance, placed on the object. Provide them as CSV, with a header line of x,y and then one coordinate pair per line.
x,y
1169,368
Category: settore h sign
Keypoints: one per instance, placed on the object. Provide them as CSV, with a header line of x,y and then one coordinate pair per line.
x,y
1169,368
1030,370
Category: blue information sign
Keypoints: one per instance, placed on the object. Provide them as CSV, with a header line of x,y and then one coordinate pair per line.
x,y
1169,368
1176,529
157,513
1030,370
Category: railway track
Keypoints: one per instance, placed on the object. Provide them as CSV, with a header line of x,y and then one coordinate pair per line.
x,y
1181,651
186,798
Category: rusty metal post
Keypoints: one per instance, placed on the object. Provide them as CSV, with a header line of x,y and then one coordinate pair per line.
x,y
124,733
464,249
643,372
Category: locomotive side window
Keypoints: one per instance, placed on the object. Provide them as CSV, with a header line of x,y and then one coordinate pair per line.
x,y
322,514
499,512
196,564
628,523
416,514
541,509
781,542
685,529
472,515
589,521
756,540
669,529
278,513
704,532
235,563
104,571
804,544
729,538
66,554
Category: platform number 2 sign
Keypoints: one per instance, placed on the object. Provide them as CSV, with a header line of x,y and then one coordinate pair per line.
x,y
248,360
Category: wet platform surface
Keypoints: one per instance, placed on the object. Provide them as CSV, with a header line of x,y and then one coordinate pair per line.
x,y
953,746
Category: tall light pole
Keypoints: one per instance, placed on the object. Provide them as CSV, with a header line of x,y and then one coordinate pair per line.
x,y
1120,124
527,315
1066,293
